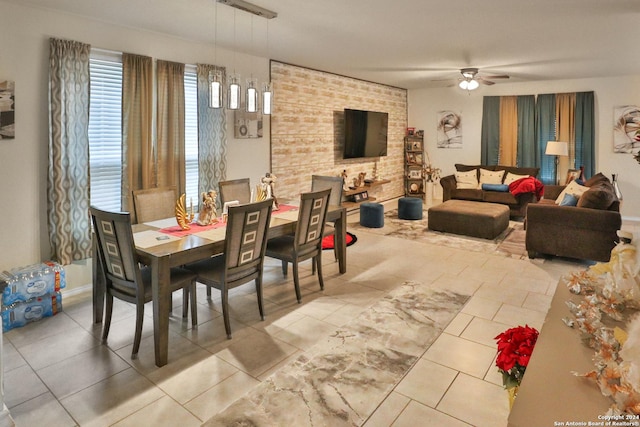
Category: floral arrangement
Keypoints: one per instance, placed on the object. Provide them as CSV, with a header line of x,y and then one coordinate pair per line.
x,y
430,173
611,289
515,346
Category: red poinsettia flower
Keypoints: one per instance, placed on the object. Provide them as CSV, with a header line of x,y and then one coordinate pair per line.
x,y
515,347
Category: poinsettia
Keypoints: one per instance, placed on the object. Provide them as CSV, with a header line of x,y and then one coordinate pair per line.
x,y
515,346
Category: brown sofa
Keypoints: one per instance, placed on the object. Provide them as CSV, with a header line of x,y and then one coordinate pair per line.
x,y
517,204
586,231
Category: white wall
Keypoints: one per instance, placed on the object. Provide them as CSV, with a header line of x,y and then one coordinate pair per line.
x,y
24,54
424,104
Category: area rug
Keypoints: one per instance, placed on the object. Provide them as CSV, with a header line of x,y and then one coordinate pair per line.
x,y
342,380
510,243
327,241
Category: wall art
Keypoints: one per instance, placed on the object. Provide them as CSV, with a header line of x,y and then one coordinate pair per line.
x,y
449,129
247,125
626,129
7,109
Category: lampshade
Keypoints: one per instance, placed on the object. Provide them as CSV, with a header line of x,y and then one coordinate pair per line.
x,y
215,90
557,148
252,96
266,98
234,93
468,84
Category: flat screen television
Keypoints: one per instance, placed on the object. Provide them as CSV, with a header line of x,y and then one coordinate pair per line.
x,y
365,133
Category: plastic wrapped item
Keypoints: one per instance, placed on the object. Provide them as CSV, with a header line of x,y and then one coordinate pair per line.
x,y
32,281
19,314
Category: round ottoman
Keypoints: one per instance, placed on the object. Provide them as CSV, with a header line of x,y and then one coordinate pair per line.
x,y
410,208
371,215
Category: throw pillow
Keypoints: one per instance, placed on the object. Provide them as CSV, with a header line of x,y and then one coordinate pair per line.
x,y
569,200
572,188
467,180
490,177
511,177
598,196
595,179
495,187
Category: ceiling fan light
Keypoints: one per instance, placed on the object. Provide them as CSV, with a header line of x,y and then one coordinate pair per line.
x,y
463,85
473,84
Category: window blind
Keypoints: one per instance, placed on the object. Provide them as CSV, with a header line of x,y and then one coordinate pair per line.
x,y
105,132
191,133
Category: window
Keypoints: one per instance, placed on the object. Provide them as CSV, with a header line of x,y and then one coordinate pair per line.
x,y
191,132
105,131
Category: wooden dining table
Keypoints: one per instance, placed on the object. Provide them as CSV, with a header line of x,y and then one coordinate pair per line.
x,y
175,251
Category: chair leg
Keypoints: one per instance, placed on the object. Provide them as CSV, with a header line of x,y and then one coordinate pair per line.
x,y
138,336
259,293
318,260
284,268
296,281
194,306
185,301
225,311
209,293
108,309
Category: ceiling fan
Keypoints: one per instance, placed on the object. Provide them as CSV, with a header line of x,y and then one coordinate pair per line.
x,y
471,80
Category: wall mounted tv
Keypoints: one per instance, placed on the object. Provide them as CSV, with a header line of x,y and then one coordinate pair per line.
x,y
365,133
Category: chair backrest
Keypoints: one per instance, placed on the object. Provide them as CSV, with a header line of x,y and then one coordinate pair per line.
x,y
246,238
235,189
311,217
116,249
335,183
152,204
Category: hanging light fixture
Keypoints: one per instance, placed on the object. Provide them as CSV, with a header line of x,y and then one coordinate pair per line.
x,y
215,80
234,81
266,89
252,92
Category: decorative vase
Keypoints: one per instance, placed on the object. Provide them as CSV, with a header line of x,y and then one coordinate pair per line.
x,y
513,392
428,189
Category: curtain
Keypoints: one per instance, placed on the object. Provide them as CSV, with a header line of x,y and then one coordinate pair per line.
x,y
137,150
508,130
546,131
490,137
584,132
68,168
565,129
526,131
212,134
170,158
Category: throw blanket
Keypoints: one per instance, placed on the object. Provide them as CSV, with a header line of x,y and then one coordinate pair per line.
x,y
527,185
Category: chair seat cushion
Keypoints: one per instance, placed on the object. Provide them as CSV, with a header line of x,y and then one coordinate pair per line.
x,y
210,270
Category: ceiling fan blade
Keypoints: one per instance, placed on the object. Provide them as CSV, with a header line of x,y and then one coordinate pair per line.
x,y
503,76
486,82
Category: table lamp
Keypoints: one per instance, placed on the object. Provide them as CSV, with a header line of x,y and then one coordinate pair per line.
x,y
557,148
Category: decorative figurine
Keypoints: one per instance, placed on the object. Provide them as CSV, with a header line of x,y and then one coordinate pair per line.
x,y
345,186
359,181
208,214
183,217
266,189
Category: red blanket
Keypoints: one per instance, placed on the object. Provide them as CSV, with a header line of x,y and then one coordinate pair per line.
x,y
527,185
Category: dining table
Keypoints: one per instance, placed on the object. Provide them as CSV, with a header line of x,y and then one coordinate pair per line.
x,y
161,245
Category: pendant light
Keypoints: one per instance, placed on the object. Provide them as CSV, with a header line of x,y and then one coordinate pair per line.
x,y
215,83
234,81
266,89
251,97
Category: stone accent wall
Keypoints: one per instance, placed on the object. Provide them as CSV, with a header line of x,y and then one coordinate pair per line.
x,y
307,129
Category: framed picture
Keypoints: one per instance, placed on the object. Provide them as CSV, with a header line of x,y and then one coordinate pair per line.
x,y
411,131
572,174
415,174
247,125
414,187
7,109
416,145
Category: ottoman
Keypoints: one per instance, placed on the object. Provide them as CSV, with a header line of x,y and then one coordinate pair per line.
x,y
475,219
372,215
409,208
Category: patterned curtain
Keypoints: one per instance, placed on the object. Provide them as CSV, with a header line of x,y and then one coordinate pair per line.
x,y
68,171
212,134
170,164
137,151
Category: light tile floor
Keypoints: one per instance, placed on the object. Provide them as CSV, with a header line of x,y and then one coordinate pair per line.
x,y
57,372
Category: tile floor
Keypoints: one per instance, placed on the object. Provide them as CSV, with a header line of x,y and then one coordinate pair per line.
x,y
57,372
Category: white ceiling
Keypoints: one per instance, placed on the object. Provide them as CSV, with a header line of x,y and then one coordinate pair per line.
x,y
404,43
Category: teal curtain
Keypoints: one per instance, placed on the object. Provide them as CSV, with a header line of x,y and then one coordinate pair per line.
x,y
212,134
526,131
585,131
545,131
68,169
490,138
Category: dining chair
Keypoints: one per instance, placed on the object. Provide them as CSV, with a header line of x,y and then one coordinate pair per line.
x,y
306,242
243,257
235,189
125,278
152,204
335,183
